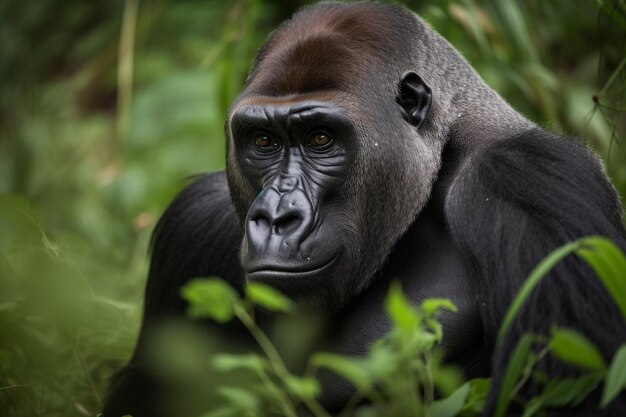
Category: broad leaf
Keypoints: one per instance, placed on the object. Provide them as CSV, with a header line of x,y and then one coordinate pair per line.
x,y
210,298
302,387
225,362
573,348
239,397
451,406
348,368
609,263
476,397
268,298
616,377
401,312
432,306
568,391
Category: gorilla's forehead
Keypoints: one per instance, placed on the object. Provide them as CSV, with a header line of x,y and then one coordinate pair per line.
x,y
331,47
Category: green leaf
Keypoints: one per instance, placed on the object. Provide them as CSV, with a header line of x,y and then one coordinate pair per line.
x,y
616,377
431,306
585,385
239,397
436,327
514,370
268,298
403,315
381,360
349,368
536,275
609,264
532,407
569,391
475,401
226,362
228,411
451,406
573,348
302,387
210,298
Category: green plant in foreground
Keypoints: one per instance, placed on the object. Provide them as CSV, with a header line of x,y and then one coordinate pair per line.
x,y
398,377
569,346
402,373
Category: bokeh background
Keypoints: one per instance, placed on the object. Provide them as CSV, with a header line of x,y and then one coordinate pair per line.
x,y
106,107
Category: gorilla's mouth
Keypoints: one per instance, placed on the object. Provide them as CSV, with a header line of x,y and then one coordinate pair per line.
x,y
273,271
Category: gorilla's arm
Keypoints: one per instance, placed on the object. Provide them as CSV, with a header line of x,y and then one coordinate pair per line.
x,y
509,206
197,236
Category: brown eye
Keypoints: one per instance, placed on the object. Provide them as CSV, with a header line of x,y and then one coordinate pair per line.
x,y
263,141
320,139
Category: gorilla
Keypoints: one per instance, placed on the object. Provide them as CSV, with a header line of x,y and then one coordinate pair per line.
x,y
364,149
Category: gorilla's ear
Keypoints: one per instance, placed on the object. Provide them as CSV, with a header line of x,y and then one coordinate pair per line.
x,y
415,98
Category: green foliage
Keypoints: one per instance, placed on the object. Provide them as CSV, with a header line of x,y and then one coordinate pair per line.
x,y
609,264
451,406
517,363
351,369
401,372
535,277
268,298
51,310
210,298
571,347
606,259
567,345
616,377
396,376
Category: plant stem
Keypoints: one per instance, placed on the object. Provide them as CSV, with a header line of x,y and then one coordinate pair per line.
x,y
278,366
315,407
529,369
263,341
288,407
429,389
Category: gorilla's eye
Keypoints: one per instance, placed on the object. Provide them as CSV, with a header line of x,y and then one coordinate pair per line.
x,y
320,139
265,142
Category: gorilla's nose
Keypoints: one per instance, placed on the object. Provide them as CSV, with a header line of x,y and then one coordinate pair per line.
x,y
275,223
278,222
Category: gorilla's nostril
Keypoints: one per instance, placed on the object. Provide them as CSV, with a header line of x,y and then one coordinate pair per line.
x,y
286,224
261,223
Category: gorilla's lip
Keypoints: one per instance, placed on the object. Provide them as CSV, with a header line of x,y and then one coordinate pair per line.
x,y
286,271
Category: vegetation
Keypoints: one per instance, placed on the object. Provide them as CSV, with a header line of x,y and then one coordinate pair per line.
x,y
106,108
402,372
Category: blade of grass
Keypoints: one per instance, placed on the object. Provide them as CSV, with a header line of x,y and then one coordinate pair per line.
x,y
609,264
537,274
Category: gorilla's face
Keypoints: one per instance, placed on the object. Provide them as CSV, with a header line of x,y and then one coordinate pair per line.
x,y
295,157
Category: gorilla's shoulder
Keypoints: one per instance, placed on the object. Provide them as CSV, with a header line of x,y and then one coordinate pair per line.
x,y
538,170
537,177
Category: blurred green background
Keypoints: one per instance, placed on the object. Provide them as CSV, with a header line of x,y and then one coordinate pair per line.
x,y
106,108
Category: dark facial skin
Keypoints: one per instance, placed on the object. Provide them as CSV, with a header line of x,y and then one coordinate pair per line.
x,y
295,155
